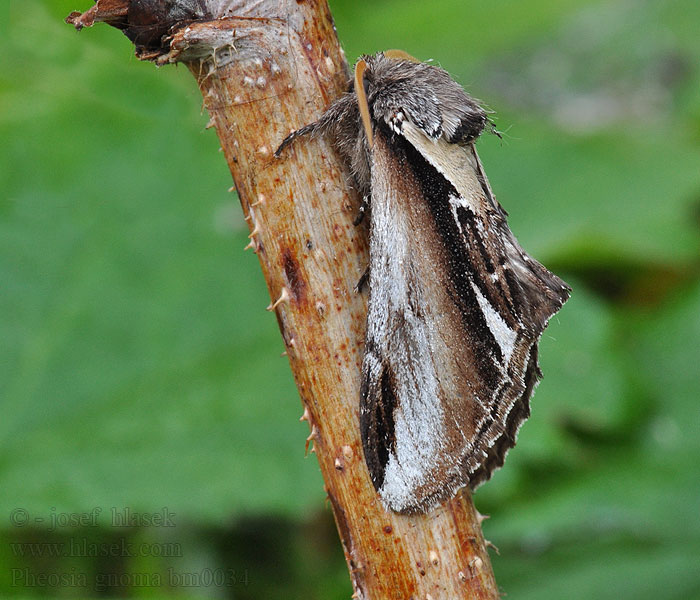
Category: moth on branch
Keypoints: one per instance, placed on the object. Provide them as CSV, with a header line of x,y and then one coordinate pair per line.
x,y
456,306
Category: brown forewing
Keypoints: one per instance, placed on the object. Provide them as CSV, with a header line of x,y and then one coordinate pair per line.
x,y
447,263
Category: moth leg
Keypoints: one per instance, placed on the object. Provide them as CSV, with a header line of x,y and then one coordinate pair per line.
x,y
310,128
362,282
362,212
364,278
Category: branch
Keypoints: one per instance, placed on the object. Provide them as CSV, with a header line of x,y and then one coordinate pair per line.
x,y
266,68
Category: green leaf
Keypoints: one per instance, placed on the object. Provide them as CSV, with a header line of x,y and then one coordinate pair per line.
x,y
139,367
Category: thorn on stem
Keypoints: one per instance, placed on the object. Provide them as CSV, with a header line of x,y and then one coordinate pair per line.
x,y
490,544
260,200
312,438
256,231
284,297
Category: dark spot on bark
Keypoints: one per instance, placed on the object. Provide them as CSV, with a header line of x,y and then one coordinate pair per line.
x,y
342,521
292,272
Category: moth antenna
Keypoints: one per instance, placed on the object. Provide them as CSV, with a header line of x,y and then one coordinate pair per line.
x,y
306,415
362,104
252,244
284,297
400,55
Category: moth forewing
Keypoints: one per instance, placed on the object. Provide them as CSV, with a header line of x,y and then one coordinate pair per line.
x,y
412,366
458,164
443,369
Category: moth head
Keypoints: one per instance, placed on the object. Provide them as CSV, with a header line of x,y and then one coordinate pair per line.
x,y
363,81
392,87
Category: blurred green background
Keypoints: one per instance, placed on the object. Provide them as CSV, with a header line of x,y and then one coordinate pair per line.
x,y
140,372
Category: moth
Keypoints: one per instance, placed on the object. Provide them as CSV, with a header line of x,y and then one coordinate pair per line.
x,y
456,306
